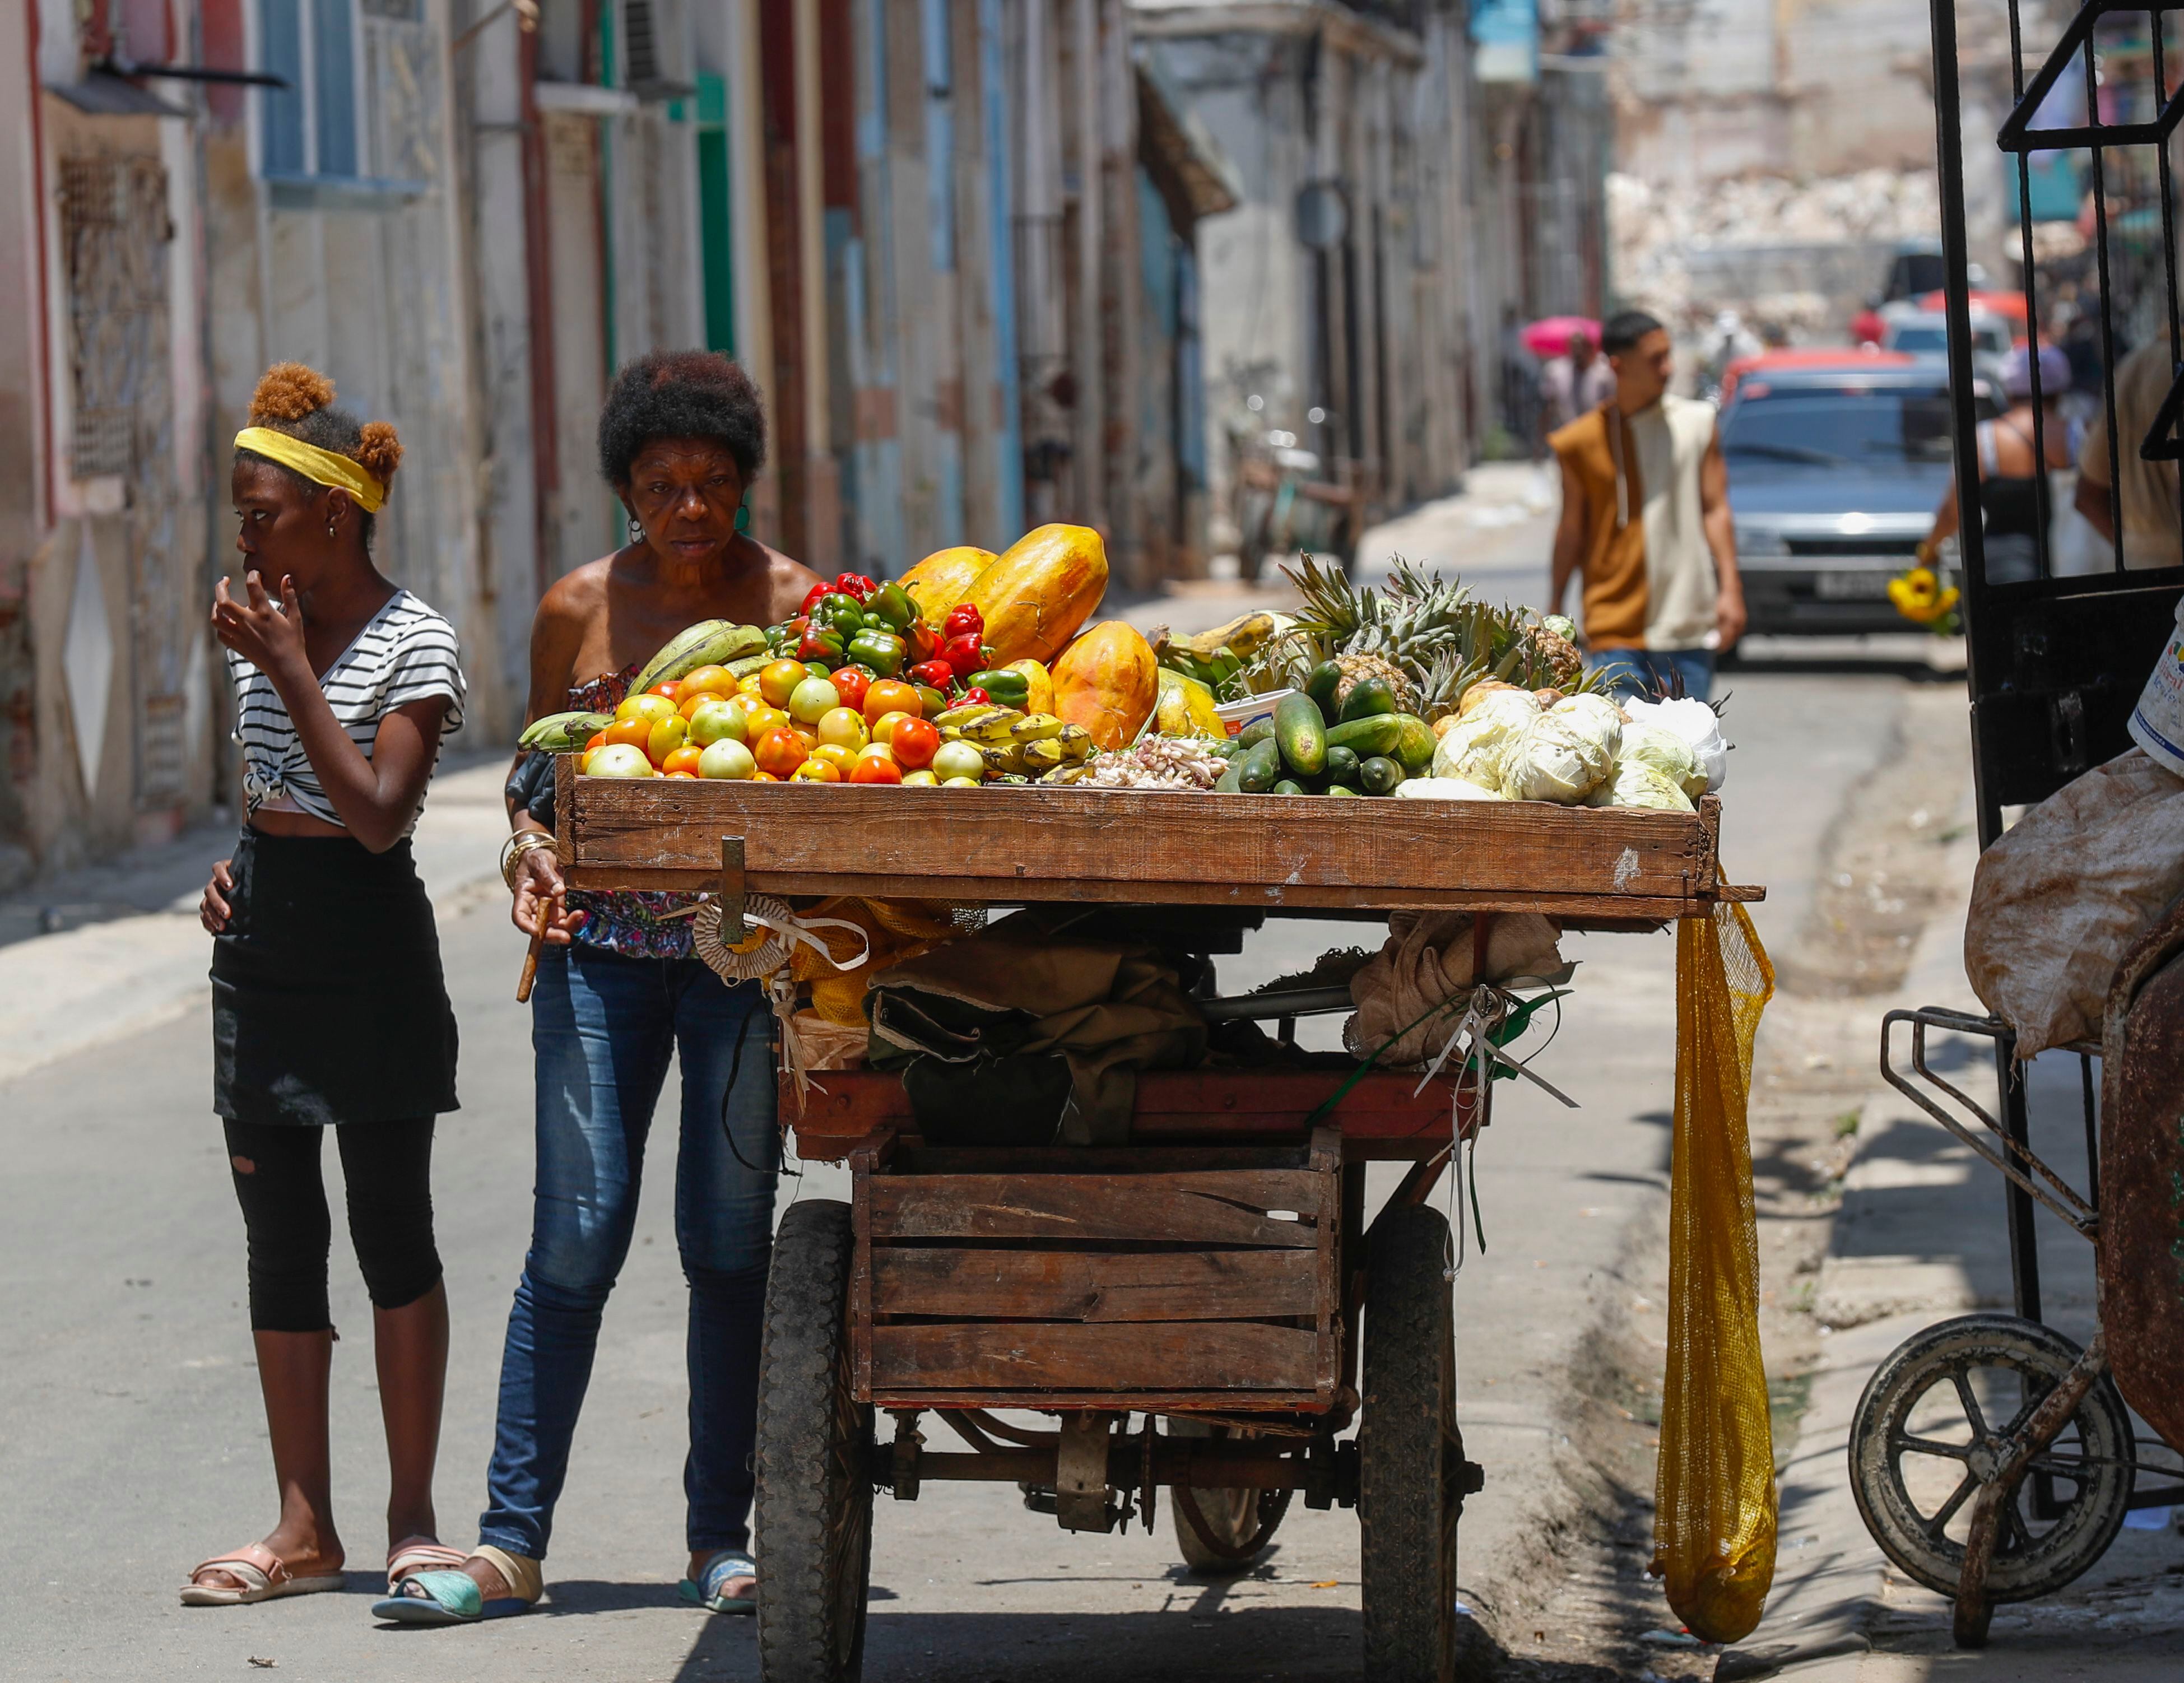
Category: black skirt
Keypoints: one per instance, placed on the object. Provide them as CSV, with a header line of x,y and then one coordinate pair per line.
x,y
328,1004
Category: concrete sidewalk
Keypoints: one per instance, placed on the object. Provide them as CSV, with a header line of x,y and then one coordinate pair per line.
x,y
129,952
1920,1238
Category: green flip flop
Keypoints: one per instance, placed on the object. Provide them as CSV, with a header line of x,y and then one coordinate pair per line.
x,y
705,1589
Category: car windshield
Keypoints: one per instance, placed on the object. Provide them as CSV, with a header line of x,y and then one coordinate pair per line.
x,y
1920,339
1828,428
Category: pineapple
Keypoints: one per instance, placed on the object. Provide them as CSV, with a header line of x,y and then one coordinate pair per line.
x,y
1357,668
1555,660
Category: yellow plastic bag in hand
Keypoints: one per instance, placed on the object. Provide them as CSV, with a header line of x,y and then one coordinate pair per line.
x,y
1714,1518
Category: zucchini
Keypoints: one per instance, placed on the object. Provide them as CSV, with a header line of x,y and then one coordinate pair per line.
x,y
1321,686
1366,737
1379,774
1301,734
1367,698
1258,771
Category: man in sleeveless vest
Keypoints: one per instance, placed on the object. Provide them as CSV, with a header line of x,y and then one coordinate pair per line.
x,y
1645,524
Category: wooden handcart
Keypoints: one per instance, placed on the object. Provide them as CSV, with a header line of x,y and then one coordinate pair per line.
x,y
1208,1279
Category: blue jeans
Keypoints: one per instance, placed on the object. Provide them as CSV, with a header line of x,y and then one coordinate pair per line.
x,y
603,1027
1649,672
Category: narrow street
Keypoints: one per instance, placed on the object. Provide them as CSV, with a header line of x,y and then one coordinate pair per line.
x,y
124,1339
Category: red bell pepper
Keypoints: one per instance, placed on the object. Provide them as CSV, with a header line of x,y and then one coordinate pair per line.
x,y
855,584
972,695
811,597
962,617
937,673
964,654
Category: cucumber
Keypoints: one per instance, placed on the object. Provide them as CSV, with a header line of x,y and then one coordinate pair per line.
x,y
1301,734
1227,783
1379,774
1257,770
1321,686
1340,788
1368,697
1228,748
1342,765
1258,731
1414,748
1288,786
1366,737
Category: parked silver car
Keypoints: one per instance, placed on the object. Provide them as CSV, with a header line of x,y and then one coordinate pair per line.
x,y
1834,476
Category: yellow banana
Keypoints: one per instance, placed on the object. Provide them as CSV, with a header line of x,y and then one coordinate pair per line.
x,y
1075,742
997,727
1042,756
1035,727
1003,761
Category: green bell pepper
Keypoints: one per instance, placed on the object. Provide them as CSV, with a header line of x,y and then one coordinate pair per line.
x,y
892,607
881,650
1007,688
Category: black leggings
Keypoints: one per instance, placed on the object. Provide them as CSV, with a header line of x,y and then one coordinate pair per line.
x,y
387,1169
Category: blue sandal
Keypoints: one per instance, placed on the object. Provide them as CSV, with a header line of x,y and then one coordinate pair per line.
x,y
705,1590
454,1598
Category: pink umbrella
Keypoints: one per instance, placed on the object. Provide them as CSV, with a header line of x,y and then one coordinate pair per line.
x,y
1552,337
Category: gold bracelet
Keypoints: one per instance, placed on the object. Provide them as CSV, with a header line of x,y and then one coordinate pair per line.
x,y
512,852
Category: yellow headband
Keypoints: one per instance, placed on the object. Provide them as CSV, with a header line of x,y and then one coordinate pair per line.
x,y
321,467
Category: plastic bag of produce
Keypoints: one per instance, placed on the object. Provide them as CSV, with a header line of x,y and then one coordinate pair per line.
x,y
1445,788
1473,748
1565,753
1639,782
1666,753
1695,723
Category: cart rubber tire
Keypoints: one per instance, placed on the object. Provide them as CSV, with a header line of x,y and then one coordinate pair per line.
x,y
2026,1566
1410,1461
813,1510
1234,1515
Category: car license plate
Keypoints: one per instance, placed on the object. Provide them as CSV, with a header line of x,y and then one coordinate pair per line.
x,y
1852,587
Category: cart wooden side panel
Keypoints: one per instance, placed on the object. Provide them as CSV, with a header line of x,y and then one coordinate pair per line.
x,y
1152,1281
1010,844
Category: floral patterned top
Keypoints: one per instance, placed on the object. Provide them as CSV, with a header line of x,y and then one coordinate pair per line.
x,y
629,922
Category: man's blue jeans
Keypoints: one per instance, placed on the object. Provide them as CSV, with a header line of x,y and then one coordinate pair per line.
x,y
1649,672
602,1028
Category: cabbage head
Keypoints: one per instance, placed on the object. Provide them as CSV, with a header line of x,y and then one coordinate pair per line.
x,y
1666,753
1474,747
1639,782
1565,753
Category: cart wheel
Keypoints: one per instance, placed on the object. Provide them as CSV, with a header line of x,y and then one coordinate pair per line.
x,y
1922,1442
814,1507
1238,1523
1411,1465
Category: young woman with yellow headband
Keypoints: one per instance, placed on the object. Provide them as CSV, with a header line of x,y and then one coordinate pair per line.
x,y
328,1006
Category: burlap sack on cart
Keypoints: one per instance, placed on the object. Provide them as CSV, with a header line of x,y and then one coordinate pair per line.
x,y
2060,898
1715,1499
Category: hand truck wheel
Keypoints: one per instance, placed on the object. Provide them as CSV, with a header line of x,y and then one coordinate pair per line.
x,y
813,1512
1927,1434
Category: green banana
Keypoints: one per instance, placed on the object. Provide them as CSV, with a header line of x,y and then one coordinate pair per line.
x,y
709,643
563,732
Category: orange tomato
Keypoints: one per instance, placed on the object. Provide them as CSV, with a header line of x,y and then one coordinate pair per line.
x,y
687,777
683,759
599,740
668,688
764,778
915,742
815,771
777,681
840,758
693,700
891,695
758,721
707,680
748,685
873,767
883,727
780,751
637,732
645,706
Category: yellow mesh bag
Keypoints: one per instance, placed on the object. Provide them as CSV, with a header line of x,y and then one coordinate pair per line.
x,y
894,930
1714,1519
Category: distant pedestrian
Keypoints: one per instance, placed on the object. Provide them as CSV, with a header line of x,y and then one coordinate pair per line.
x,y
1645,524
2013,495
2150,513
1578,380
329,1011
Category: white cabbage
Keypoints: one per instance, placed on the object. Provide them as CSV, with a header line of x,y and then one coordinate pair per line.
x,y
1565,753
1445,788
1473,748
1666,753
1693,721
1639,782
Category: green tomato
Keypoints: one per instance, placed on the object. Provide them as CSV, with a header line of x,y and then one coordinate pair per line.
x,y
710,725
959,783
622,760
956,760
844,727
727,758
812,701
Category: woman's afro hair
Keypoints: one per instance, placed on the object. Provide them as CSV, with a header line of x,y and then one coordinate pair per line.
x,y
681,394
299,401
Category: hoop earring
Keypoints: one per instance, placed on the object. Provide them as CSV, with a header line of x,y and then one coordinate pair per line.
x,y
636,530
743,517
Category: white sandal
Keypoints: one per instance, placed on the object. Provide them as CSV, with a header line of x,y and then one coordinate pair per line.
x,y
263,1577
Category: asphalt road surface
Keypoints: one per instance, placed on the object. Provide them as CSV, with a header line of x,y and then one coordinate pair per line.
x,y
136,1444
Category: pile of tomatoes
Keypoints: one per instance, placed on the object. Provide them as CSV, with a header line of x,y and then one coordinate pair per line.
x,y
784,722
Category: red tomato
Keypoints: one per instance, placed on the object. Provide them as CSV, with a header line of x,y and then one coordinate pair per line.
x,y
915,742
667,686
683,759
876,768
780,752
850,683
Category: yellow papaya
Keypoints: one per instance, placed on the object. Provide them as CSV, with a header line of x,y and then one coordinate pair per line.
x,y
1107,681
1186,707
938,582
1042,685
1044,587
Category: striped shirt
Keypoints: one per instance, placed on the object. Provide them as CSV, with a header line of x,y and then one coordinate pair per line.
x,y
406,653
